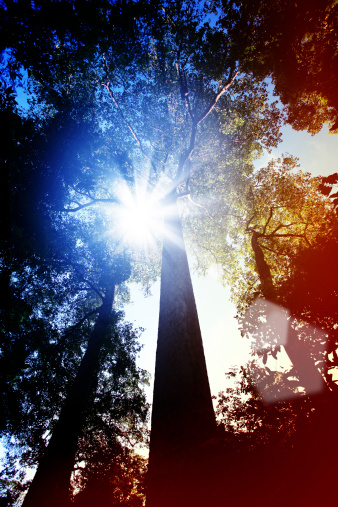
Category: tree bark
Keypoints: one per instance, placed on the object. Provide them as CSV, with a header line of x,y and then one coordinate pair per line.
x,y
51,484
183,419
263,268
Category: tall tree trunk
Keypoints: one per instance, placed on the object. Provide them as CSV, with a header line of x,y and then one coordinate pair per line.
x,y
51,483
183,419
308,373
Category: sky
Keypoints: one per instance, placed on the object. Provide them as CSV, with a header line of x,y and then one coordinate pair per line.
x,y
223,345
317,154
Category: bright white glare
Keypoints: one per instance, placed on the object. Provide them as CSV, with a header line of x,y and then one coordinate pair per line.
x,y
137,222
138,218
275,329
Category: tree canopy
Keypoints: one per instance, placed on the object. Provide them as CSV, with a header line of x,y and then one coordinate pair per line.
x,y
169,100
295,44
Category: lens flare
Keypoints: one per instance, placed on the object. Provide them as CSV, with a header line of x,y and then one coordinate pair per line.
x,y
138,218
139,222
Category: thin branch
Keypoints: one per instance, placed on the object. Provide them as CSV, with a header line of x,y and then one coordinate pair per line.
x,y
199,205
248,223
116,104
273,251
216,98
80,192
308,242
186,154
282,226
252,193
87,204
290,235
184,89
93,288
87,193
268,221
211,252
306,226
89,314
78,268
126,122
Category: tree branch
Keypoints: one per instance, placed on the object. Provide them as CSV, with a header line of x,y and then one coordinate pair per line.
x,y
199,205
87,204
184,157
248,223
290,235
89,314
282,226
216,98
184,89
273,251
125,121
195,122
268,221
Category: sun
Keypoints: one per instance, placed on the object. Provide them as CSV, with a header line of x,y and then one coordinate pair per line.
x,y
138,222
138,218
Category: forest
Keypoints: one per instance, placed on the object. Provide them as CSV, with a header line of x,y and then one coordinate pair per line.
x,y
131,134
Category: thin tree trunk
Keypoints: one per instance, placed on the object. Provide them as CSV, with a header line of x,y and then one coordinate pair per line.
x,y
183,419
51,483
308,373
263,269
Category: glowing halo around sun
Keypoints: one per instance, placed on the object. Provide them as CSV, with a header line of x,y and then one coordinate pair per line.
x,y
138,217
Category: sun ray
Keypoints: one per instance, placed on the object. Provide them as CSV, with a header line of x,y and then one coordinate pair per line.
x,y
138,219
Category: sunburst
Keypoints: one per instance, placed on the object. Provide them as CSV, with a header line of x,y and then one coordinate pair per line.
x,y
138,217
